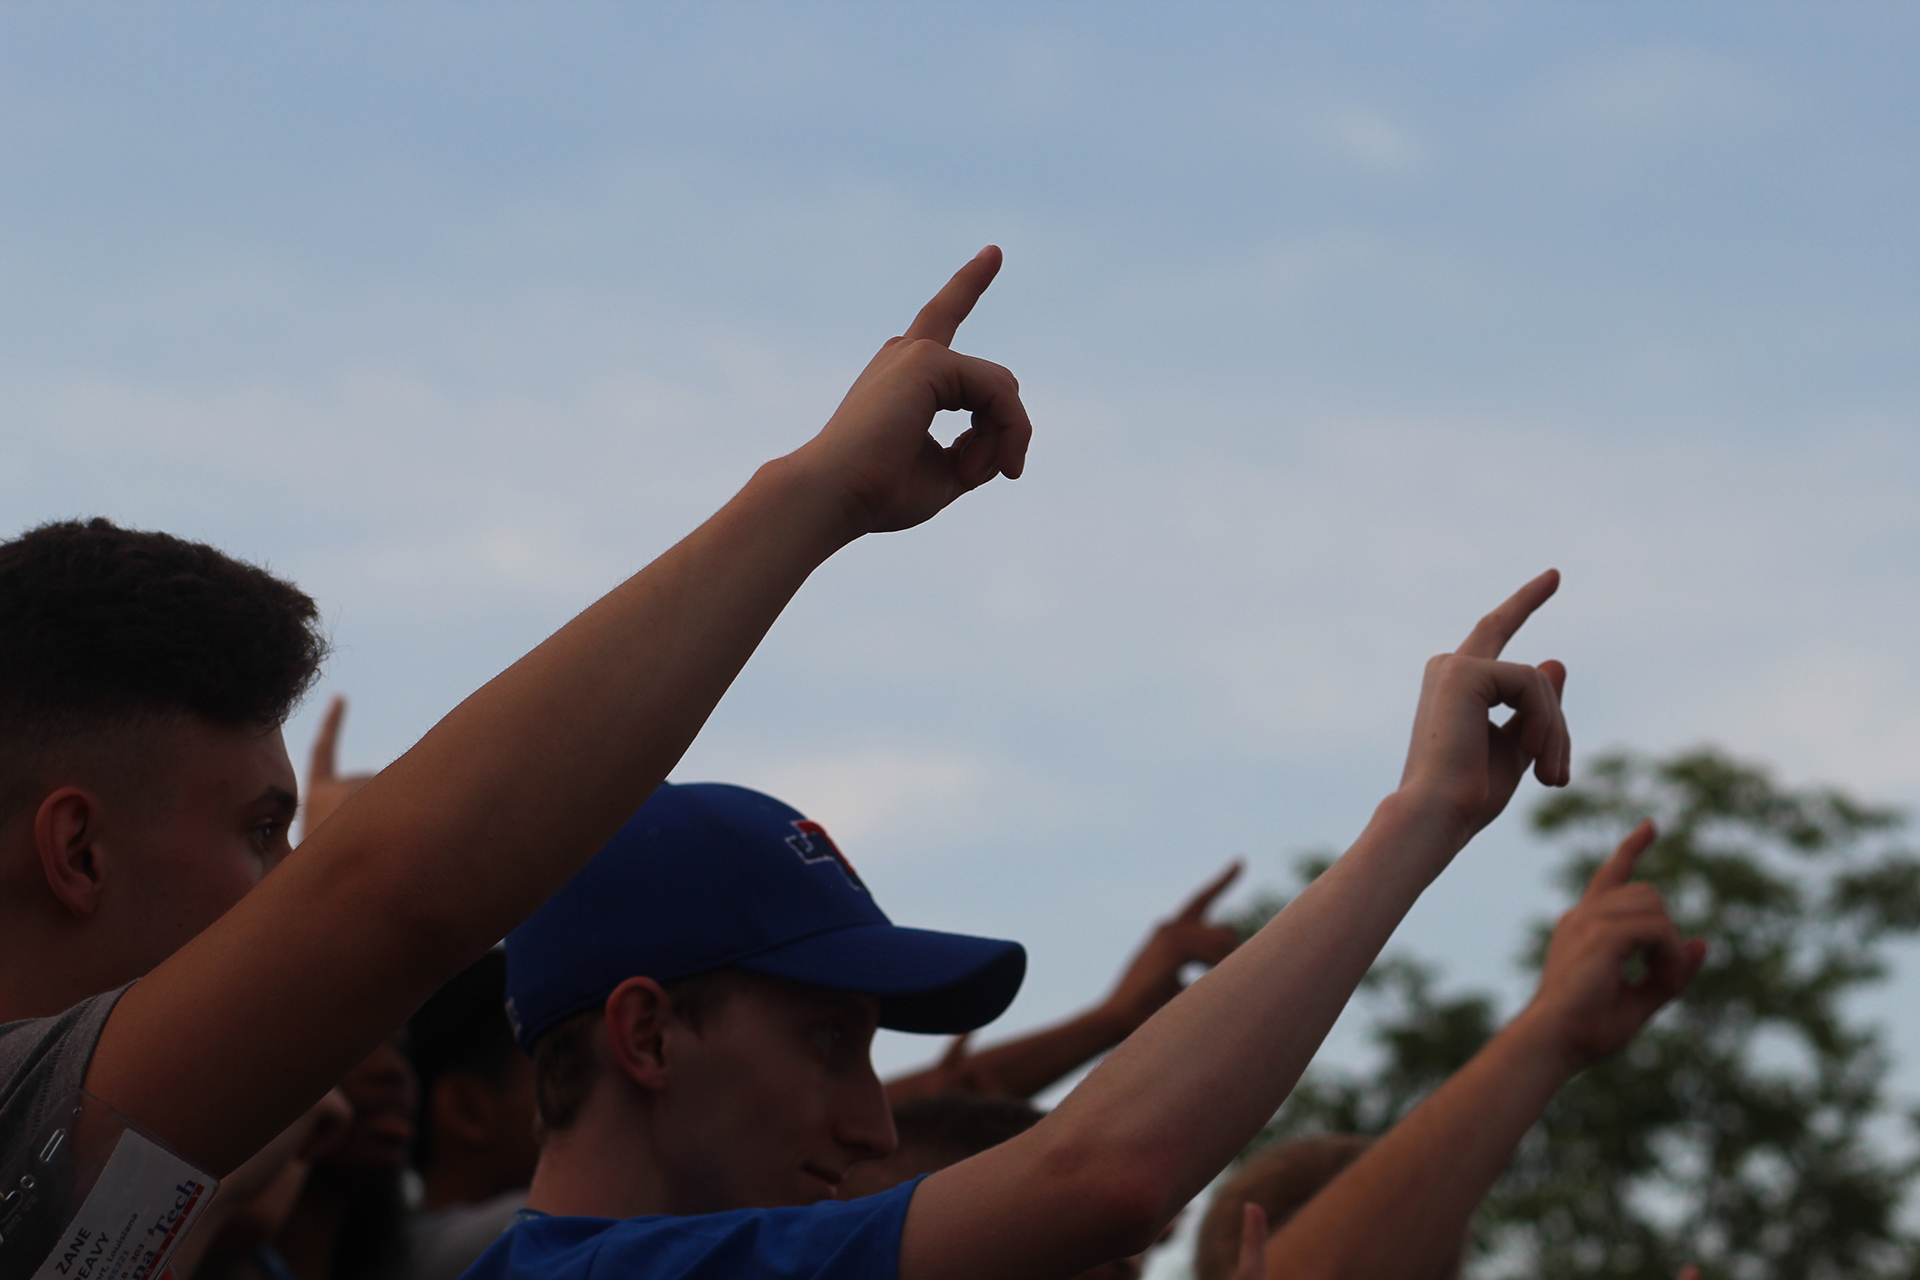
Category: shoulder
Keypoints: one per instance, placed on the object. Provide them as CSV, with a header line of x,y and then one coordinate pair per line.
x,y
43,1062
841,1240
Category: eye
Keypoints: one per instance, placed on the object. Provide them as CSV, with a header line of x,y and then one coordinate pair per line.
x,y
266,836
829,1038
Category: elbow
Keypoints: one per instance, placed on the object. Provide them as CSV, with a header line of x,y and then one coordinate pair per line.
x,y
1127,1195
1141,1210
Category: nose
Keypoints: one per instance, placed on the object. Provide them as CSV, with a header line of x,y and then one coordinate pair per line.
x,y
384,1077
864,1121
329,1117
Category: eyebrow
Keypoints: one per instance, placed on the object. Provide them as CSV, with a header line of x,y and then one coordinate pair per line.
x,y
279,799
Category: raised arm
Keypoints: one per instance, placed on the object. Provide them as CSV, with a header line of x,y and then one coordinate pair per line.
x,y
1429,1173
224,1044
1100,1176
1023,1067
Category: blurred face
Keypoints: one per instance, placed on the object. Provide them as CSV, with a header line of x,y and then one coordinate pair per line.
x,y
772,1100
380,1135
213,821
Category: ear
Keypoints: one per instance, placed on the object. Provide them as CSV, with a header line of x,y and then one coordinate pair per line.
x,y
64,830
463,1107
637,1014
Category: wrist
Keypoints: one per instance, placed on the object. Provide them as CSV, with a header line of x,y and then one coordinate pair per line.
x,y
1416,820
814,495
1541,1038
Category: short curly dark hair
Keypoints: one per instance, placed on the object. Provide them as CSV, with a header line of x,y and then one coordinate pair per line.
x,y
102,628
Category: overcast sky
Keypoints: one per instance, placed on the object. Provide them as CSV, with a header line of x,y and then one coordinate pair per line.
x,y
1336,324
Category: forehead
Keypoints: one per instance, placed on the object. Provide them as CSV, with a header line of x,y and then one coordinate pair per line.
x,y
780,997
208,764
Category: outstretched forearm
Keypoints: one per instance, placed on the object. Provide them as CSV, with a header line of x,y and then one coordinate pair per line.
x,y
1428,1174
1023,1067
1152,977
1172,1105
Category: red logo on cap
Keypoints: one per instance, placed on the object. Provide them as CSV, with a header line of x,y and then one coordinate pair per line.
x,y
811,841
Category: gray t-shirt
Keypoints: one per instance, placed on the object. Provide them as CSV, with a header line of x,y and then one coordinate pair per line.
x,y
43,1062
445,1242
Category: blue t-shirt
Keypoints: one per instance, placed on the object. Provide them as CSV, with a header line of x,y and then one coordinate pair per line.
x,y
833,1240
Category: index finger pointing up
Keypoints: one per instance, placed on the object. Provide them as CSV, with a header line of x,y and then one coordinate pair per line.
x,y
322,763
1618,868
940,319
1491,633
1196,906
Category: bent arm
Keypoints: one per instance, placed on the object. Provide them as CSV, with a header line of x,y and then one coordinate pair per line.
x,y
453,844
1019,1068
1023,1067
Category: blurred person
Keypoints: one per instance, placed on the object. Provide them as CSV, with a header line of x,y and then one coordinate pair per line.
x,y
231,1240
1327,1198
145,790
475,1148
473,1145
1023,1067
350,1219
700,1002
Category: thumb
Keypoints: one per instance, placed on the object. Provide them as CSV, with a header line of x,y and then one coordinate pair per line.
x,y
956,1052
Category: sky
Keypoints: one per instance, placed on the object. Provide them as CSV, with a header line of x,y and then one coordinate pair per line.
x,y
1336,324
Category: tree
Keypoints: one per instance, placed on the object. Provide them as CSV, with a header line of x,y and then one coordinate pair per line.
x,y
1747,1127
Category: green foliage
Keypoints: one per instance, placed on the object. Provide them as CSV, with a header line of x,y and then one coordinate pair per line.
x,y
1745,1129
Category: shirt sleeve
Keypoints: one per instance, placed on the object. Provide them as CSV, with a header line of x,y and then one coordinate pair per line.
x,y
43,1063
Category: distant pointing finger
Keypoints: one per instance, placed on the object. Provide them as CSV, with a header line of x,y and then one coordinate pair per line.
x,y
1196,907
325,743
1618,868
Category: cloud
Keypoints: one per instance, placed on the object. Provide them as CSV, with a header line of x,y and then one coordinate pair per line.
x,y
1376,142
880,802
1660,91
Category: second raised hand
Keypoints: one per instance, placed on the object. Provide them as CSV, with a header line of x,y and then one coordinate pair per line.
x,y
1460,760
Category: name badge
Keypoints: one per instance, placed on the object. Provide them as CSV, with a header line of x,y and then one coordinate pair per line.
x,y
136,1199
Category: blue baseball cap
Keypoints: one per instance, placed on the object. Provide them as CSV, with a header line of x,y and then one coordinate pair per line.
x,y
708,875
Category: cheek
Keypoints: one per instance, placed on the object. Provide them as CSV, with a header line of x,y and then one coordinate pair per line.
x,y
199,885
218,874
772,1098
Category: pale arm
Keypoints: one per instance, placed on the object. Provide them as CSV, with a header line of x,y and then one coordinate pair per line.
x,y
235,1035
1100,1176
1429,1173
